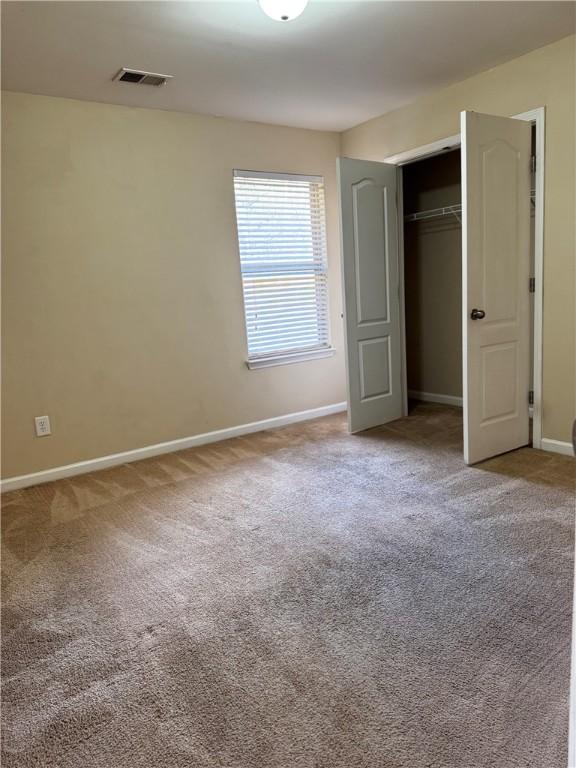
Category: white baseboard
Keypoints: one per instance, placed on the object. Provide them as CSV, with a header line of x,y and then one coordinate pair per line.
x,y
556,446
104,462
431,397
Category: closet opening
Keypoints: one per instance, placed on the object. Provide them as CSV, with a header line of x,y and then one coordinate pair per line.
x,y
433,279
432,234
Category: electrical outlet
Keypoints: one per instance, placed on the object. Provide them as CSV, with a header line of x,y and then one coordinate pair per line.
x,y
42,426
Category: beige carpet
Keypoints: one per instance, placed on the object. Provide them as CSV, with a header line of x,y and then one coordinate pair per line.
x,y
294,599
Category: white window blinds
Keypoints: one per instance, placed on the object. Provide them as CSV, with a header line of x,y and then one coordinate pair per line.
x,y
282,239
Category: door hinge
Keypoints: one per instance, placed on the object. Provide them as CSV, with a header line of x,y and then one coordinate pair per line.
x,y
531,397
533,163
532,285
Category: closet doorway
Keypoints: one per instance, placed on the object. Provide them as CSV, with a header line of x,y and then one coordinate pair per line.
x,y
438,279
432,198
432,174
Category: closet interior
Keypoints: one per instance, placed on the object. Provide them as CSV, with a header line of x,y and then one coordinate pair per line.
x,y
432,200
433,278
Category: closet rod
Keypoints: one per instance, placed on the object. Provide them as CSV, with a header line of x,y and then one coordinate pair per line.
x,y
448,210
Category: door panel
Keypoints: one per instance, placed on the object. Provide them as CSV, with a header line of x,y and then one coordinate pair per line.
x,y
374,367
369,230
370,251
496,270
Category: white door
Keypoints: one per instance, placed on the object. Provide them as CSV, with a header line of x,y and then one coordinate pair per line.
x,y
369,231
496,271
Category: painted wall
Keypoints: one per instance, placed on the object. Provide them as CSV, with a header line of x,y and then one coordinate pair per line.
x,y
122,310
433,277
545,77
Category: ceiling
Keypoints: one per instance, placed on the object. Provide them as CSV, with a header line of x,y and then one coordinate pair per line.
x,y
339,64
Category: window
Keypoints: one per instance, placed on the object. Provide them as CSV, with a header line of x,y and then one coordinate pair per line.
x,y
282,240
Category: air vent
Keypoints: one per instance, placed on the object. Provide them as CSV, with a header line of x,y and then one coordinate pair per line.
x,y
138,77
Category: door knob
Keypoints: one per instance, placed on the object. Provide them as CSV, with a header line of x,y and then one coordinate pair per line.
x,y
477,314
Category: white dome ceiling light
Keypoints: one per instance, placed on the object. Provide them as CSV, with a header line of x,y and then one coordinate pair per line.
x,y
283,10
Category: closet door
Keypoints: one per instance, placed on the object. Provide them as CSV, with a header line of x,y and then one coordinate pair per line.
x,y
496,269
369,231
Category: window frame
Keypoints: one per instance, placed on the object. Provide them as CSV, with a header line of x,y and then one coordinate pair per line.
x,y
295,355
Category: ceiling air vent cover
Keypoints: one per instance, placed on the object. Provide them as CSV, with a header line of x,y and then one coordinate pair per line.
x,y
138,77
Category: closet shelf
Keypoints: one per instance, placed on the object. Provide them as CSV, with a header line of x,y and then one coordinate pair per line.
x,y
448,210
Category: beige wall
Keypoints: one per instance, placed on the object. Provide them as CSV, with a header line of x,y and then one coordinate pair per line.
x,y
545,77
122,310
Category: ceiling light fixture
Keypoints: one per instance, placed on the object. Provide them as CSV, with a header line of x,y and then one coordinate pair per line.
x,y
283,10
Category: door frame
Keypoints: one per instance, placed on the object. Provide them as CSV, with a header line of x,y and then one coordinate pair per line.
x,y
538,118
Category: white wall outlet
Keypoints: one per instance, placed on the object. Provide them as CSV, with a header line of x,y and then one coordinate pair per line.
x,y
42,426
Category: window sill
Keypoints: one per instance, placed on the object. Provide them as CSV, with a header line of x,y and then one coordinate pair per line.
x,y
291,357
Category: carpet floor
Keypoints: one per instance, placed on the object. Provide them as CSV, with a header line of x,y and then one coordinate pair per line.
x,y
299,598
